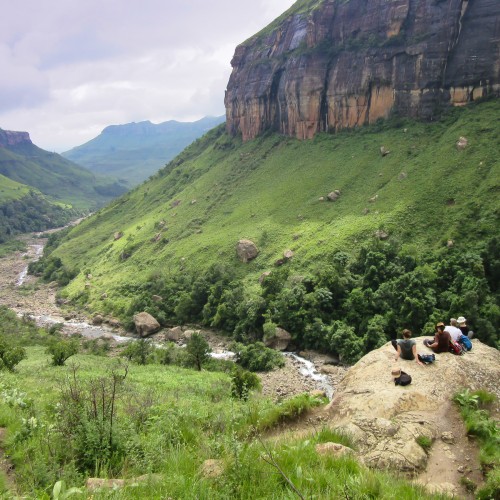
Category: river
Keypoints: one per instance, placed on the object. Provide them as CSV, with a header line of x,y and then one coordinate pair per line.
x,y
27,296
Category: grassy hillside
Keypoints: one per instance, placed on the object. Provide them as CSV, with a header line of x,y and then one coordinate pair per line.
x,y
56,177
135,151
101,416
190,216
11,190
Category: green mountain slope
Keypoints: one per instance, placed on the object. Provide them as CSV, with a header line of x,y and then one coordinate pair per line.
x,y
135,151
56,177
423,195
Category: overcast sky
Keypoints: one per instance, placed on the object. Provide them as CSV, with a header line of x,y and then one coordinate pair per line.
x,y
69,68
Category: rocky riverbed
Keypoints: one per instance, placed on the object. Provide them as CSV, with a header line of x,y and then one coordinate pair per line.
x,y
306,372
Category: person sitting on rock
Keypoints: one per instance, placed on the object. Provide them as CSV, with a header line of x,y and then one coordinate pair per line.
x,y
441,341
406,348
453,330
462,324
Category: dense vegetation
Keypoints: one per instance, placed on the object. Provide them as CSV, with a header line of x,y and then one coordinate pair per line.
x,y
101,417
410,240
32,212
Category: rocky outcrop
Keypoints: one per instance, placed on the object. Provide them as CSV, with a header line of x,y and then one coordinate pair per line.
x,y
386,420
10,138
347,63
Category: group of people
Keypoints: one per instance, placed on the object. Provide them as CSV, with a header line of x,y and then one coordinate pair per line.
x,y
406,348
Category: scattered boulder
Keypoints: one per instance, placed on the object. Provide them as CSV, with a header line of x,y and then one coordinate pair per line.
x,y
321,198
118,235
114,323
157,298
212,468
193,202
333,196
462,143
89,276
96,483
186,335
366,211
97,320
145,324
402,176
288,254
156,238
333,449
450,243
384,151
174,334
263,276
175,203
373,199
104,296
381,234
279,340
448,437
246,250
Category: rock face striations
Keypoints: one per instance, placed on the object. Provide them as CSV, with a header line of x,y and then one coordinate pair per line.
x,y
331,64
10,138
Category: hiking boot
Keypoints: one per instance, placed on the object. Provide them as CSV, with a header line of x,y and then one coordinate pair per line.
x,y
470,334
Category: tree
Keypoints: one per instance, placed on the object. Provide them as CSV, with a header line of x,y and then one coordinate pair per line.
x,y
61,350
198,350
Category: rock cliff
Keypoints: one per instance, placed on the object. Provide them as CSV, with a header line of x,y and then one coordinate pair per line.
x,y
330,64
10,138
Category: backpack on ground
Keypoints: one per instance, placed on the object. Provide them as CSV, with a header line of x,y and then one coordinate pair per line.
x,y
456,348
466,343
427,358
403,379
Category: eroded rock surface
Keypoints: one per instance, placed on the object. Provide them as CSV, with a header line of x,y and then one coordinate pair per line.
x,y
344,64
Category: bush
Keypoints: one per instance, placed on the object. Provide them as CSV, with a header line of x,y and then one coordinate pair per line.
x,y
10,356
198,351
139,351
242,382
257,357
61,350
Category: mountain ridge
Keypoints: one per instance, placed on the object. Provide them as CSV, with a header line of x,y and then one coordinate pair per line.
x,y
136,150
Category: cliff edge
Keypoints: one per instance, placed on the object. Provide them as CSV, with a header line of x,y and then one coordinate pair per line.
x,y
332,64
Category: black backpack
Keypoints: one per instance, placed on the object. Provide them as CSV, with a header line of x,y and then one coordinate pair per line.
x,y
403,379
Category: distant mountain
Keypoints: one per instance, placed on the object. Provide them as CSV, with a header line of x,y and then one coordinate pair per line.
x,y
134,151
57,178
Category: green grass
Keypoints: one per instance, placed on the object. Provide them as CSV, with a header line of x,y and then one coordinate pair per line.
x,y
268,190
169,421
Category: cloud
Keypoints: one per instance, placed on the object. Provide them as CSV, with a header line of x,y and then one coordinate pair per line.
x,y
72,68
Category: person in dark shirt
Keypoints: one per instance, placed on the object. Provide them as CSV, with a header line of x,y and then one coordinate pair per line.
x,y
441,342
406,348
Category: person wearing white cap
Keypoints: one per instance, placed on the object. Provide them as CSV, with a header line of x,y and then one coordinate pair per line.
x,y
462,324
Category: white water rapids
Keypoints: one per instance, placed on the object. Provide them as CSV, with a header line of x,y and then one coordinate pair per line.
x,y
306,368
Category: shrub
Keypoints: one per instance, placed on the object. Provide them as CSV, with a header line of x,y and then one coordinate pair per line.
x,y
61,350
10,356
425,442
257,357
198,351
139,351
242,382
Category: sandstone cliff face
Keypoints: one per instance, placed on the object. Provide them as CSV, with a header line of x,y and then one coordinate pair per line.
x,y
9,138
331,64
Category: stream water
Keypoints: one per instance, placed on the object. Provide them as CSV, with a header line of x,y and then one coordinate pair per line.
x,y
305,367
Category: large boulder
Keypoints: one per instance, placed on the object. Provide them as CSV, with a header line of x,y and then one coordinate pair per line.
x,y
279,341
145,324
385,420
246,250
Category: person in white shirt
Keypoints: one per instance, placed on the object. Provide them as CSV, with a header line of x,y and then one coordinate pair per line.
x,y
453,330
